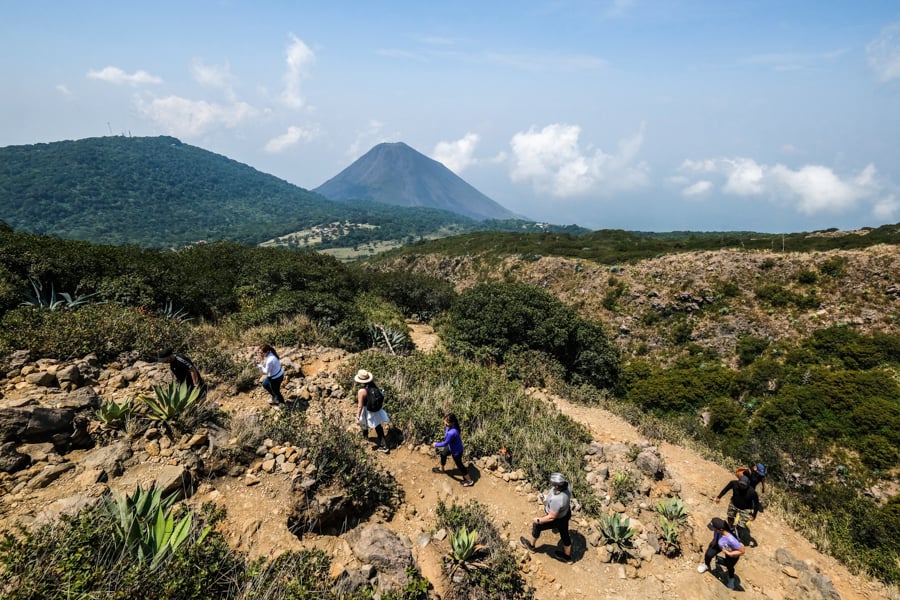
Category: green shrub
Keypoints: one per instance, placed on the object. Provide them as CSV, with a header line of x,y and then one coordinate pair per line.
x,y
172,402
83,556
340,460
418,296
676,390
833,266
144,524
807,277
492,320
617,533
749,348
494,412
500,575
105,330
115,414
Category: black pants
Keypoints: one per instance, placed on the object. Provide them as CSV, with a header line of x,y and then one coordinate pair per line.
x,y
728,561
457,460
560,524
273,386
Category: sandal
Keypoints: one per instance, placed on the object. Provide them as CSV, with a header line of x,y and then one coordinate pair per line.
x,y
469,483
436,470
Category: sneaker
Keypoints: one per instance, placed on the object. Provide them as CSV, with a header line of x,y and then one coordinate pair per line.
x,y
468,483
384,449
702,569
526,543
731,583
562,556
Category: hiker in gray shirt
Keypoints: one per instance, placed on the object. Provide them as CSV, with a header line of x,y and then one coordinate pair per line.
x,y
556,505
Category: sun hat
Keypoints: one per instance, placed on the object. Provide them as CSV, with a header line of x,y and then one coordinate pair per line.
x,y
363,376
558,479
761,469
716,524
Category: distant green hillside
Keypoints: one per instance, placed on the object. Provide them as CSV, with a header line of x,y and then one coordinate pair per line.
x,y
158,192
615,245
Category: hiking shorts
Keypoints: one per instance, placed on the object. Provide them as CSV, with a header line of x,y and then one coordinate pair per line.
x,y
734,511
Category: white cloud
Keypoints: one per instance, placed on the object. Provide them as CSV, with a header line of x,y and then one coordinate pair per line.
x,y
697,189
215,76
368,138
184,117
883,53
552,161
817,189
64,90
458,155
887,210
299,61
701,166
289,138
744,177
811,189
118,76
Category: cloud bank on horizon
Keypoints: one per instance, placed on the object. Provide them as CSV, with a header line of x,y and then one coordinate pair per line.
x,y
631,114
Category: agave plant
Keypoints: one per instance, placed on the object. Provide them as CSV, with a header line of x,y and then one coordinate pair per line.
x,y
177,314
171,401
463,547
53,301
669,537
621,484
617,533
113,414
672,510
145,524
390,339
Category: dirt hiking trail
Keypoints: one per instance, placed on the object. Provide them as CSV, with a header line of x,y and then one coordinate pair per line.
x,y
759,574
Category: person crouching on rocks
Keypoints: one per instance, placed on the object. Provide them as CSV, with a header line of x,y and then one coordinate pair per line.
x,y
452,446
269,363
557,501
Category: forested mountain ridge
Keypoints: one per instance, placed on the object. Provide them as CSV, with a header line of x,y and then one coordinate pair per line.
x,y
159,192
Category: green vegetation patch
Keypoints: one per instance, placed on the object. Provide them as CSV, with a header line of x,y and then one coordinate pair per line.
x,y
494,412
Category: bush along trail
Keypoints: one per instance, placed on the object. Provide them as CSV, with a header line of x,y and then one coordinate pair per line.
x,y
296,487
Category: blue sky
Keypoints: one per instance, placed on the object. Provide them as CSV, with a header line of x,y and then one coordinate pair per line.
x,y
640,115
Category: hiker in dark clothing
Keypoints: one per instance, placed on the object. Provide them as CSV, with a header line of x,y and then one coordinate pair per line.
x,y
743,499
183,369
757,476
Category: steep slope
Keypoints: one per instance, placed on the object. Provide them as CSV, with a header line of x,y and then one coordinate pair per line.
x,y
258,501
397,174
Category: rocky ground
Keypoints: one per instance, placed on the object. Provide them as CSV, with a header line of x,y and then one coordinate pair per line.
x,y
43,400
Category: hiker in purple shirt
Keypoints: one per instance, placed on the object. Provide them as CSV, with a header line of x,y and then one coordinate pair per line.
x,y
452,446
723,541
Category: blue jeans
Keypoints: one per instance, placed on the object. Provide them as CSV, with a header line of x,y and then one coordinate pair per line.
x,y
273,386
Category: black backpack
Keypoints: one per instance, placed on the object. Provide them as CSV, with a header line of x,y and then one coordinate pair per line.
x,y
374,398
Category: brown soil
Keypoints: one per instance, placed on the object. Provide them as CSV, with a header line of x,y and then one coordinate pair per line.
x,y
257,515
